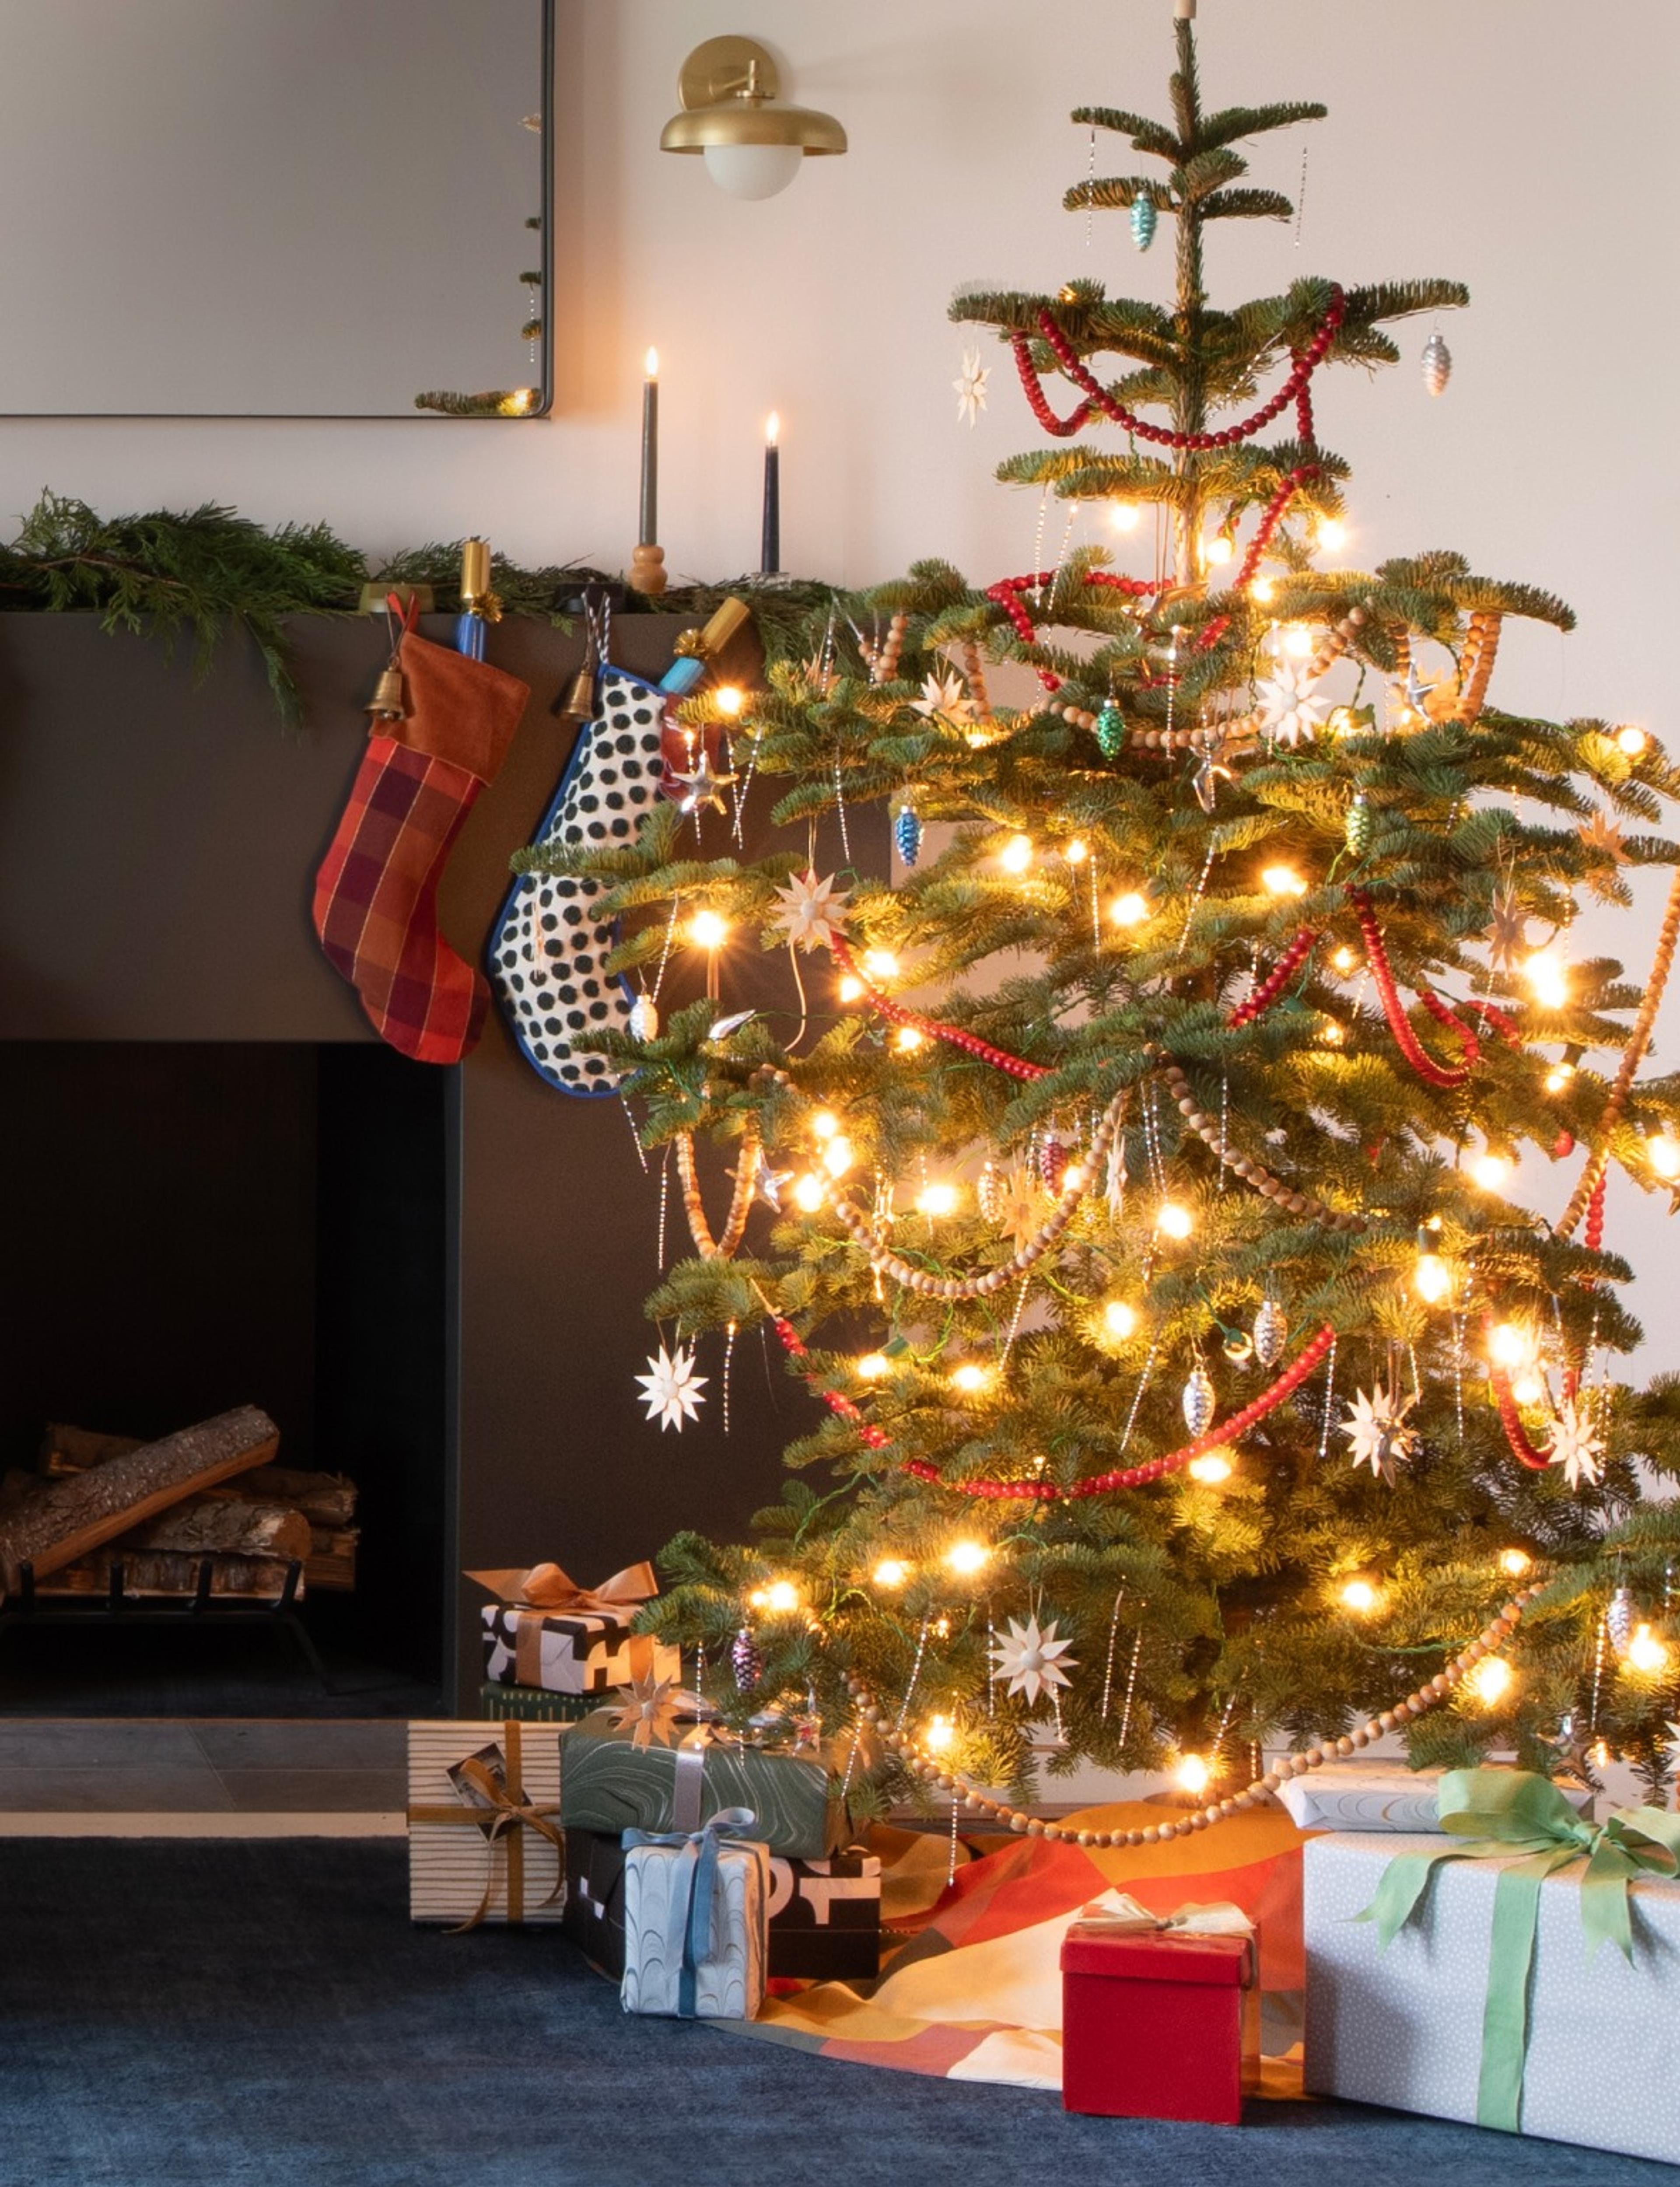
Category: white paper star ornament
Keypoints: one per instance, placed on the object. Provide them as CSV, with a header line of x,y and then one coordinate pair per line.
x,y
670,1389
1286,705
1576,1446
1377,1431
810,911
1032,1659
970,388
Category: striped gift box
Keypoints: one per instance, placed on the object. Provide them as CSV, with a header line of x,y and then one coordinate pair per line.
x,y
533,1705
477,1854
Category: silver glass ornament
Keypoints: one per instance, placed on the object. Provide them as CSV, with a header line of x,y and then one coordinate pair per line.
x,y
1620,1619
989,1192
645,1019
1200,1400
1437,364
1271,1333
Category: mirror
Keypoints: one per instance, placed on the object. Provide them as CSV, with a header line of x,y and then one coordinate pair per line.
x,y
275,208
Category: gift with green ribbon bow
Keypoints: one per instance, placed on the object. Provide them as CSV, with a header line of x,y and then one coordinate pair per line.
x,y
1511,1815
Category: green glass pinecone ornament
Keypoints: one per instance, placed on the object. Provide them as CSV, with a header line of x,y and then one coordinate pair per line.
x,y
1110,732
1356,828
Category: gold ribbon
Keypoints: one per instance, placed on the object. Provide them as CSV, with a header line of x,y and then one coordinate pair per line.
x,y
1121,1915
504,1819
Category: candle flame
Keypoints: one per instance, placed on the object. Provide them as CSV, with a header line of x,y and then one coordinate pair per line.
x,y
651,362
772,430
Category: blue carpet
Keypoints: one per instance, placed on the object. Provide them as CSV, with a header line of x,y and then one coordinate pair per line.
x,y
218,2012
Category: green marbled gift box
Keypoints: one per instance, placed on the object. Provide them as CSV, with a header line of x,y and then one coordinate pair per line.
x,y
610,1785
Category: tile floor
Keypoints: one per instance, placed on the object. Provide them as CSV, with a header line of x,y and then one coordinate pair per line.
x,y
127,1776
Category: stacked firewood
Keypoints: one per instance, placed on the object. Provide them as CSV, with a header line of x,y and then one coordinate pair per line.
x,y
210,1494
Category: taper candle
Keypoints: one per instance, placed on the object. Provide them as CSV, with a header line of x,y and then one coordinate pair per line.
x,y
770,550
649,530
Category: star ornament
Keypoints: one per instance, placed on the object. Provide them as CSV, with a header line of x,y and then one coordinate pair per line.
x,y
702,787
1602,840
768,1183
1032,1658
670,1389
1506,933
1377,1431
646,1709
1576,1446
1286,705
810,910
945,699
970,389
1022,1208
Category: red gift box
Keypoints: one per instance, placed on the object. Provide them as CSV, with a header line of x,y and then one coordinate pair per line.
x,y
1158,2025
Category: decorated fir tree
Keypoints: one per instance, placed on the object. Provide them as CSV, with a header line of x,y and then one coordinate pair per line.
x,y
1142,1156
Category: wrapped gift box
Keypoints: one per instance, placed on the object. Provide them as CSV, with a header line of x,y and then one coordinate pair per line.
x,y
825,1915
611,1786
483,1840
587,1653
1381,1796
1158,2025
664,1971
531,1704
1403,2027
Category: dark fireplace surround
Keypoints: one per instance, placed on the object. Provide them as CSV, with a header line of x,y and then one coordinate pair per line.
x,y
226,1190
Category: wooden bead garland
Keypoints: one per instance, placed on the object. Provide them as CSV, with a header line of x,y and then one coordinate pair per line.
x,y
1302,1204
882,662
1417,1702
740,1204
1481,649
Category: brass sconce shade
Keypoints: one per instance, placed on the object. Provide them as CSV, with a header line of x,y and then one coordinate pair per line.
x,y
752,144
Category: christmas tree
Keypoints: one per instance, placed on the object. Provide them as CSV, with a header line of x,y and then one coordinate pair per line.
x,y
1140,1161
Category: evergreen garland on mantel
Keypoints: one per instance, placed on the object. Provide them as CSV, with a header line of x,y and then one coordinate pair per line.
x,y
166,573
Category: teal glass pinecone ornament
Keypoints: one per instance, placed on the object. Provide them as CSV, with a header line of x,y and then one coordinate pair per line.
x,y
907,834
1110,731
1356,828
1143,218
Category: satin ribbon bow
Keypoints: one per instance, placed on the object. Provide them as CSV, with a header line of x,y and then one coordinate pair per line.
x,y
687,1937
498,1806
1502,1813
547,1588
1117,1914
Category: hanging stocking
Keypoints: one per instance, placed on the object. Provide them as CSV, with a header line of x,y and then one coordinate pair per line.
x,y
546,952
376,893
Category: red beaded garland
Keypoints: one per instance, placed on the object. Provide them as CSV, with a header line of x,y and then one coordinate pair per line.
x,y
932,1028
1097,398
1101,1484
1276,980
1431,1072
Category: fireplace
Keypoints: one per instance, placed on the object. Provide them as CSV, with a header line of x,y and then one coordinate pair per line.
x,y
432,1280
201,1225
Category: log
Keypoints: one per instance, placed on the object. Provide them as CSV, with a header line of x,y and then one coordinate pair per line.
x,y
83,1511
331,1562
325,1499
217,1524
164,1573
67,1449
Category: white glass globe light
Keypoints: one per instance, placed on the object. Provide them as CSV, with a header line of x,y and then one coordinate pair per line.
x,y
753,171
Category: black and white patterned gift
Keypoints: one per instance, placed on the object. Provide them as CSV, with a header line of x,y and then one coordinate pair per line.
x,y
544,1631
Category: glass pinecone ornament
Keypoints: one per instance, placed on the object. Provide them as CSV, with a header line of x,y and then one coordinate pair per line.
x,y
1620,1619
1110,730
1437,364
1143,219
907,834
1357,827
1271,1333
745,1661
1198,1400
645,1019
1053,1160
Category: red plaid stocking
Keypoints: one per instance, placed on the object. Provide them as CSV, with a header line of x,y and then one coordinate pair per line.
x,y
376,893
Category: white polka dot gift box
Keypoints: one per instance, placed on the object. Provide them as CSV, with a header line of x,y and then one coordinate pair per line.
x,y
1598,2061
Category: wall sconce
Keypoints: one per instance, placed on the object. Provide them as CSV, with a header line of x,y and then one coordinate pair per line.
x,y
753,145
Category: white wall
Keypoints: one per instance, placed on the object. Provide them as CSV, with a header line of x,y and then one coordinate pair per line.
x,y
1522,145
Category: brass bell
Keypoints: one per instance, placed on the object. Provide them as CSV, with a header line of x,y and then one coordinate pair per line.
x,y
388,703
580,704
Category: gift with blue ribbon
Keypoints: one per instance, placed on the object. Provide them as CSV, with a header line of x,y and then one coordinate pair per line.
x,y
696,1918
1515,1816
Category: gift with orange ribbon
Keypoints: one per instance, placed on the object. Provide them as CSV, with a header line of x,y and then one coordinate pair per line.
x,y
545,1631
485,1843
